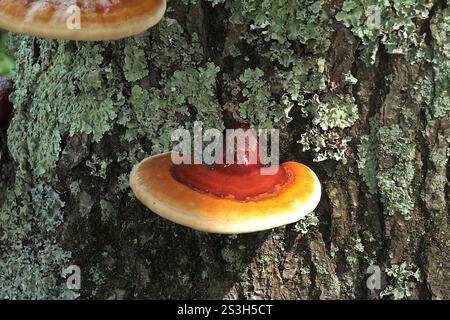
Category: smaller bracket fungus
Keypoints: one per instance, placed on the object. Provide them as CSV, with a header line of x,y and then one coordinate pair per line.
x,y
6,87
85,20
225,198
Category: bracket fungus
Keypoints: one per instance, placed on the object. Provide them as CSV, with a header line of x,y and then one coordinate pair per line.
x,y
6,88
225,198
85,20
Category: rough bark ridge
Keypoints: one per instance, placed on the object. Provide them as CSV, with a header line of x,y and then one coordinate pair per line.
x,y
365,105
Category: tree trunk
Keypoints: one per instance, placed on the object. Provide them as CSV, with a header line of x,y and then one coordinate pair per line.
x,y
366,107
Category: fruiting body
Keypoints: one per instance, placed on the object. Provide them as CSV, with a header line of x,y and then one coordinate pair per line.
x,y
80,20
204,199
6,87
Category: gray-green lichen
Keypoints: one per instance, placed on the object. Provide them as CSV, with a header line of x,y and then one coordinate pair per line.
x,y
402,279
275,27
386,163
31,261
98,166
368,157
391,23
155,113
436,84
395,179
186,87
304,225
333,112
233,260
329,115
255,100
85,99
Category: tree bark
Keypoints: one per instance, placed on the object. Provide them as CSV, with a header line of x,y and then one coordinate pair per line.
x,y
85,113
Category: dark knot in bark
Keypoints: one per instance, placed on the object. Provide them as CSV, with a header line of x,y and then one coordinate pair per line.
x,y
6,88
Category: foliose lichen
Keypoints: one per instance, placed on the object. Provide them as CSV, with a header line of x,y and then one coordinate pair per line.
x,y
304,225
391,23
386,163
435,89
402,280
31,261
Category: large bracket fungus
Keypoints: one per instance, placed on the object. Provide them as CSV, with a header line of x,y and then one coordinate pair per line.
x,y
86,20
225,198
